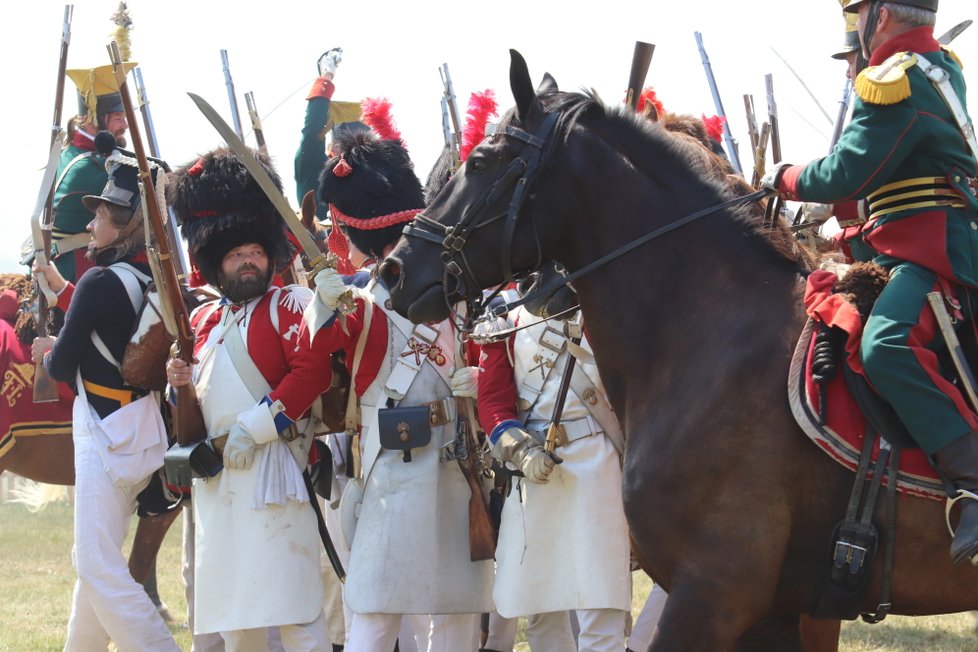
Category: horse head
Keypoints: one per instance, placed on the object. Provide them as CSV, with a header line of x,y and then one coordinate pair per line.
x,y
482,228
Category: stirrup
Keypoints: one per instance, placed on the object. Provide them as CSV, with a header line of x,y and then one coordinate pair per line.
x,y
962,493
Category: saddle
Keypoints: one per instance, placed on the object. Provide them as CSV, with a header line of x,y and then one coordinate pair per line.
x,y
837,408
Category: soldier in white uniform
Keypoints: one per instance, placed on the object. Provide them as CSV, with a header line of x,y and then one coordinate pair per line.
x,y
406,511
563,542
257,543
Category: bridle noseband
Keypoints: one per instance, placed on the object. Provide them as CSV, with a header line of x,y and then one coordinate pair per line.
x,y
519,176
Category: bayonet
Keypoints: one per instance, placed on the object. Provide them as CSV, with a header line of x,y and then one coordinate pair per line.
x,y
232,97
446,81
718,103
256,127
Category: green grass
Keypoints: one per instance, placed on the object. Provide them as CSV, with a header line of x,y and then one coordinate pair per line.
x,y
36,579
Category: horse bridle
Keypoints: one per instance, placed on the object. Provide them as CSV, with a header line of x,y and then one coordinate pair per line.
x,y
521,173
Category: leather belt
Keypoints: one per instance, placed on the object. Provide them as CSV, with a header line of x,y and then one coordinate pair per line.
x,y
122,396
910,194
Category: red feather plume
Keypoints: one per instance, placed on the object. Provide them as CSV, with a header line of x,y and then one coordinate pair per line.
x,y
648,95
376,114
482,106
714,127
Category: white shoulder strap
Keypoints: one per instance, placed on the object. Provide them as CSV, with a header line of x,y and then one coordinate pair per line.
x,y
135,282
942,82
70,165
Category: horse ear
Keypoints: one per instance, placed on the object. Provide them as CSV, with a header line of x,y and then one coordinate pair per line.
x,y
548,86
520,83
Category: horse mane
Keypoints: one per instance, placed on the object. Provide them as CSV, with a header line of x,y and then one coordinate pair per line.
x,y
679,141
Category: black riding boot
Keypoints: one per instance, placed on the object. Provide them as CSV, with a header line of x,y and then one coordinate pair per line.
x,y
959,461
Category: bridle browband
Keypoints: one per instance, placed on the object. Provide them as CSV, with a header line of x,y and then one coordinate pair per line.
x,y
521,172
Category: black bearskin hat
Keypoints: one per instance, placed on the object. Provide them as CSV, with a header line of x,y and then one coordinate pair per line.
x,y
219,206
373,180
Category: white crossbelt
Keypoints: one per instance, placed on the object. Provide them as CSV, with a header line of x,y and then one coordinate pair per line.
x,y
942,82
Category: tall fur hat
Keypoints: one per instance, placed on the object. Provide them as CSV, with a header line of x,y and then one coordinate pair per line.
x,y
373,179
220,206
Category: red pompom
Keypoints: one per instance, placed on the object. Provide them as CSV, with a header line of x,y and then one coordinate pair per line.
x,y
342,168
714,127
648,95
376,114
196,279
481,107
197,168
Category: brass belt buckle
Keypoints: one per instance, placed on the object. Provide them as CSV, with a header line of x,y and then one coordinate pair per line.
x,y
290,434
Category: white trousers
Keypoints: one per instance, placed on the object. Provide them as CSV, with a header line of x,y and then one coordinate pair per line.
x,y
305,637
107,603
379,632
600,630
648,620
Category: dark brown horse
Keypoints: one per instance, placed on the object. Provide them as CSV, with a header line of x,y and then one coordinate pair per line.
x,y
730,506
50,457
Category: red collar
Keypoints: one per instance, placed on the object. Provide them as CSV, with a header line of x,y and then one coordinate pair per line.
x,y
83,141
919,39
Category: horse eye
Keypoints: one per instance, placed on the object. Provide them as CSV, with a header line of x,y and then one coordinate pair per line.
x,y
476,163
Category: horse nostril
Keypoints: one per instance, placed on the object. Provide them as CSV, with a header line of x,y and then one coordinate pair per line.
x,y
390,272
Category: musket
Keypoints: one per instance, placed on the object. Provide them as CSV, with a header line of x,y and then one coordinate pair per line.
x,y
188,421
772,118
255,121
45,389
449,95
641,60
751,121
760,154
840,118
235,116
718,103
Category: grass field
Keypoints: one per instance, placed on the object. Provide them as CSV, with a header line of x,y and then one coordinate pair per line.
x,y
37,578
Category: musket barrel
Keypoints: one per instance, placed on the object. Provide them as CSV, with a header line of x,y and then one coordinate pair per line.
x,y
232,97
718,103
188,421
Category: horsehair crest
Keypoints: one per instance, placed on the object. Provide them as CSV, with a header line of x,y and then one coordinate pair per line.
x,y
482,106
376,114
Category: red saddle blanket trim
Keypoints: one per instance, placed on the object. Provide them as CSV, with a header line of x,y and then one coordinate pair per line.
x,y
841,435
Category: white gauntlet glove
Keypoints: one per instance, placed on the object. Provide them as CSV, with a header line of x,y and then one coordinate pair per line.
x,y
328,62
239,450
816,212
519,448
772,177
330,287
465,382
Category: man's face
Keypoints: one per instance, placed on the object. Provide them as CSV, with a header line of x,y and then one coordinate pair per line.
x,y
115,123
245,272
103,231
852,60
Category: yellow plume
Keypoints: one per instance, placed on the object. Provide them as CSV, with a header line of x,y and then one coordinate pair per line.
x,y
123,24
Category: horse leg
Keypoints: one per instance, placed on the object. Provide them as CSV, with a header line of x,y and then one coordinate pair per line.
x,y
779,633
819,635
147,541
42,458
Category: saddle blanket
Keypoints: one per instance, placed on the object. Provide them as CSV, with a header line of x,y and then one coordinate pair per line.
x,y
842,427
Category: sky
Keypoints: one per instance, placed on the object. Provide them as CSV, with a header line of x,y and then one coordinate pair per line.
x,y
394,50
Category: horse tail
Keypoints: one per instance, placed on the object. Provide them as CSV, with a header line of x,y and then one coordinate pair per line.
x,y
36,495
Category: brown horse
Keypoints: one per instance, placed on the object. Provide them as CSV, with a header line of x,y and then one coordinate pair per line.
x,y
49,457
730,507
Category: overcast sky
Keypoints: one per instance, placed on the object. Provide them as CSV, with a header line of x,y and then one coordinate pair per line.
x,y
394,49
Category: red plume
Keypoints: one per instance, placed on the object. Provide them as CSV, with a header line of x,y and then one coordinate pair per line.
x,y
714,127
376,114
648,95
482,106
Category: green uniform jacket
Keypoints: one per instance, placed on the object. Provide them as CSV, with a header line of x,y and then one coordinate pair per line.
x,y
310,158
81,172
911,138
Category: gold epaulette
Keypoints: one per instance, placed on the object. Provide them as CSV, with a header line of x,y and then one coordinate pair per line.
x,y
886,83
951,53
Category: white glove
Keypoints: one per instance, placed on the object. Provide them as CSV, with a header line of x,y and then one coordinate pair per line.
x,y
771,178
465,382
815,212
329,61
519,448
239,450
330,287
